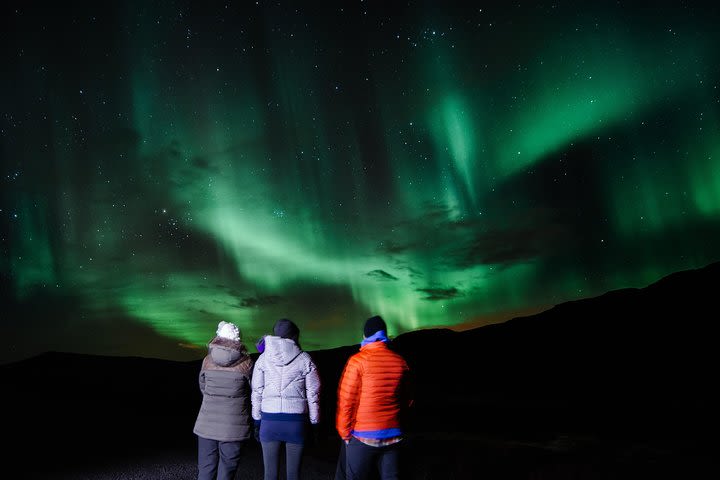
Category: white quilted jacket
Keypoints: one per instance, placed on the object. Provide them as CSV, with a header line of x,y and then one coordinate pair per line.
x,y
285,380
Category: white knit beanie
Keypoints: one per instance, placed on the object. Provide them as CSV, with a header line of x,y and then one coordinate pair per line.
x,y
229,331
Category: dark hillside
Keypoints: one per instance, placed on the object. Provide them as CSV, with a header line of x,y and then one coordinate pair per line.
x,y
626,379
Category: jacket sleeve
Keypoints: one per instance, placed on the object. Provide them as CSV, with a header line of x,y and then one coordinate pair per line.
x,y
201,381
312,391
201,376
349,390
258,386
248,378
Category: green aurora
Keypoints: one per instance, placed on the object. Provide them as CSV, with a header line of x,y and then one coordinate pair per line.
x,y
168,166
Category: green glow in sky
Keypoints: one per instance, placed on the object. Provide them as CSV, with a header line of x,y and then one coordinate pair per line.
x,y
166,168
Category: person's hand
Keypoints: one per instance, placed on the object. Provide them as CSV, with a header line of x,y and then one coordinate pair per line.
x,y
256,431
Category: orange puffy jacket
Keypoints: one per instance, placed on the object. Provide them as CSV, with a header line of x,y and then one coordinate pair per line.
x,y
372,391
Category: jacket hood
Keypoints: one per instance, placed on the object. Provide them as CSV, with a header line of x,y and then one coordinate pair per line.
x,y
226,352
280,351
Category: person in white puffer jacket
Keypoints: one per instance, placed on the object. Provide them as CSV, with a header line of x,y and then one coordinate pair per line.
x,y
285,396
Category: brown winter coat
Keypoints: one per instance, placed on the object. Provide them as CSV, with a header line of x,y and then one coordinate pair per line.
x,y
225,385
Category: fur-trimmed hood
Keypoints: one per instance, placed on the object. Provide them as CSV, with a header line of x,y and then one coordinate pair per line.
x,y
226,352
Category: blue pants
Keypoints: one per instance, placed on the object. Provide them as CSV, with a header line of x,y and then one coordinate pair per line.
x,y
271,459
362,459
217,458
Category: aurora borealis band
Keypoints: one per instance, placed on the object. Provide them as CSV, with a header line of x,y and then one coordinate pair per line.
x,y
167,165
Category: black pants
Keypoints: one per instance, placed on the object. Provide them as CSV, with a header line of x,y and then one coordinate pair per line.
x,y
217,458
271,459
361,460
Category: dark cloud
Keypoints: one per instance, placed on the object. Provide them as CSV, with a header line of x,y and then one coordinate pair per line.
x,y
381,275
392,248
425,233
498,248
252,302
412,272
202,163
532,235
489,239
440,293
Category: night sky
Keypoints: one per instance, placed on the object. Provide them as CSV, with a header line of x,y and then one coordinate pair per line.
x,y
167,165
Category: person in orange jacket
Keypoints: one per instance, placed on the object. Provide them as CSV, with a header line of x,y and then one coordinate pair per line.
x,y
372,393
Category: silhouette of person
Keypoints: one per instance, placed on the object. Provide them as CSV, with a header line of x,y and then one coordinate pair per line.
x,y
372,394
223,423
285,395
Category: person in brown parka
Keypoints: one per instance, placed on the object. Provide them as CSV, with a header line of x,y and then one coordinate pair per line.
x,y
224,421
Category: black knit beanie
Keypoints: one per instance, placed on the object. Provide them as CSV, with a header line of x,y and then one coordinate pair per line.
x,y
286,329
373,325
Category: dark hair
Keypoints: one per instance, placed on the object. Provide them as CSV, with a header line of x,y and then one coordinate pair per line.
x,y
285,328
373,325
